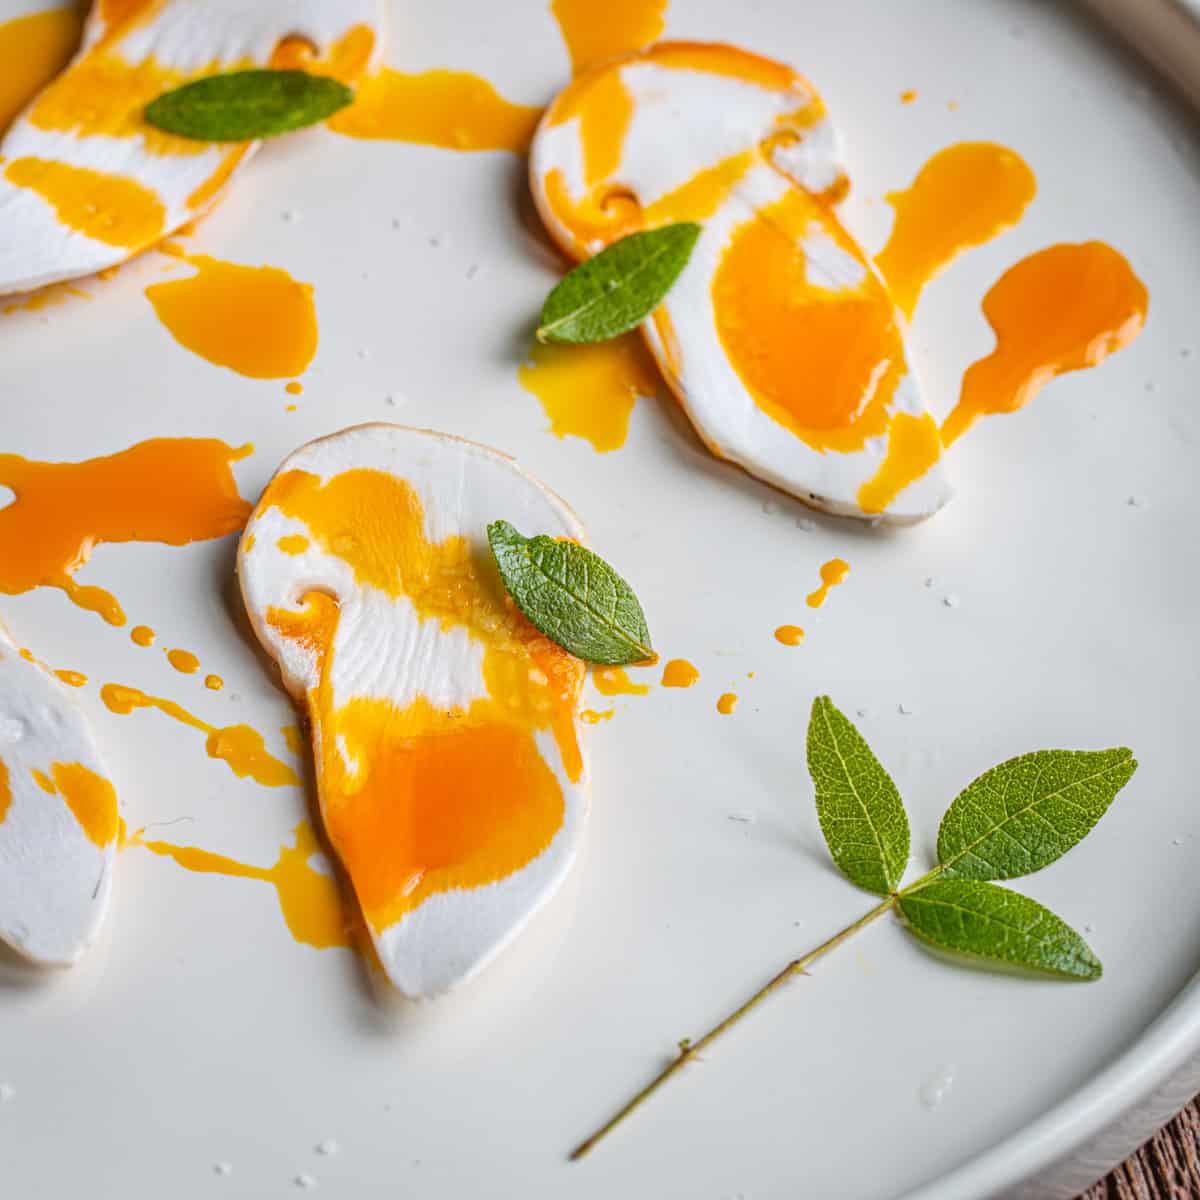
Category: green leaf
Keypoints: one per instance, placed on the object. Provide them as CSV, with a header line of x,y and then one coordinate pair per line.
x,y
860,810
1027,812
619,287
983,920
572,596
242,106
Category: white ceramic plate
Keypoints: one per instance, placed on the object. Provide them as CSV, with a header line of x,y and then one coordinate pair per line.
x,y
201,1033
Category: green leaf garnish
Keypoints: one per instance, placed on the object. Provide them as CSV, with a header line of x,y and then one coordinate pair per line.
x,y
968,916
1016,818
242,106
572,596
618,288
860,810
1027,812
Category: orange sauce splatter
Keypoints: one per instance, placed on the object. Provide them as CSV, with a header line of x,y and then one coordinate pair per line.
x,y
293,543
184,661
789,635
914,445
295,388
75,679
310,900
47,297
294,738
113,209
5,791
1065,308
257,321
679,673
169,490
418,800
770,316
833,573
908,96
34,49
962,197
589,391
44,781
590,716
142,635
726,703
615,681
214,683
451,109
241,748
596,32
90,797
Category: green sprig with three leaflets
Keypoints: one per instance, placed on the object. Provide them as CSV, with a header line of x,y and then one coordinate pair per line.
x,y
1013,820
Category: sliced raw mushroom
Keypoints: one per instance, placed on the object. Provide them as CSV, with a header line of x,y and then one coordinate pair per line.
x,y
779,337
86,183
450,774
59,820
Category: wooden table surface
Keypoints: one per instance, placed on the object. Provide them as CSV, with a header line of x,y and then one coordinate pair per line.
x,y
1167,1167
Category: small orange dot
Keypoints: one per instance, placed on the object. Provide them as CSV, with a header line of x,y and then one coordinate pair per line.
x,y
727,703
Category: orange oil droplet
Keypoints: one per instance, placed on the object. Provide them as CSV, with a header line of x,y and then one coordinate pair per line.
x,y
789,635
75,679
726,703
451,109
257,321
34,49
589,391
294,738
679,673
169,490
142,635
964,196
908,95
1065,308
184,661
596,32
241,748
833,573
310,901
295,388
214,683
615,681
589,716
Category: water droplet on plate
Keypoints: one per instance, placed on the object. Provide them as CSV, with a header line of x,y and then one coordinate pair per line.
x,y
7,1093
305,1182
222,1168
327,1147
743,818
936,1088
950,600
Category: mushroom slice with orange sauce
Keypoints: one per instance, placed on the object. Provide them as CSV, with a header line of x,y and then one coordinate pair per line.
x,y
86,183
59,820
450,776
779,338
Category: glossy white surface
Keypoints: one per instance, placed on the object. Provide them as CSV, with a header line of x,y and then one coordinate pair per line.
x,y
203,1034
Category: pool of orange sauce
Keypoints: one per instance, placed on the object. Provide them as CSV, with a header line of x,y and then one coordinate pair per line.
x,y
257,321
679,673
615,681
310,901
418,800
833,573
1065,308
964,196
184,661
169,490
589,391
241,748
789,635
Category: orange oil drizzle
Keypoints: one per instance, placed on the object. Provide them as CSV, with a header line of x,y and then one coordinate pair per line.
x,y
257,321
1065,308
833,573
5,791
589,716
75,679
90,797
184,661
418,800
238,746
615,681
964,196
596,32
169,490
589,391
214,683
34,49
311,901
679,673
142,635
789,635
726,703
914,445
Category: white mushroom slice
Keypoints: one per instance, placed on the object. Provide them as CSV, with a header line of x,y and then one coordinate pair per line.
x,y
59,821
449,771
779,337
85,183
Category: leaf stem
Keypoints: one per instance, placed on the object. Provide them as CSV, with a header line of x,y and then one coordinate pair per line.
x,y
689,1050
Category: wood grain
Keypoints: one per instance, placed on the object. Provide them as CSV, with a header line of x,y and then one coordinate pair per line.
x,y
1167,1167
